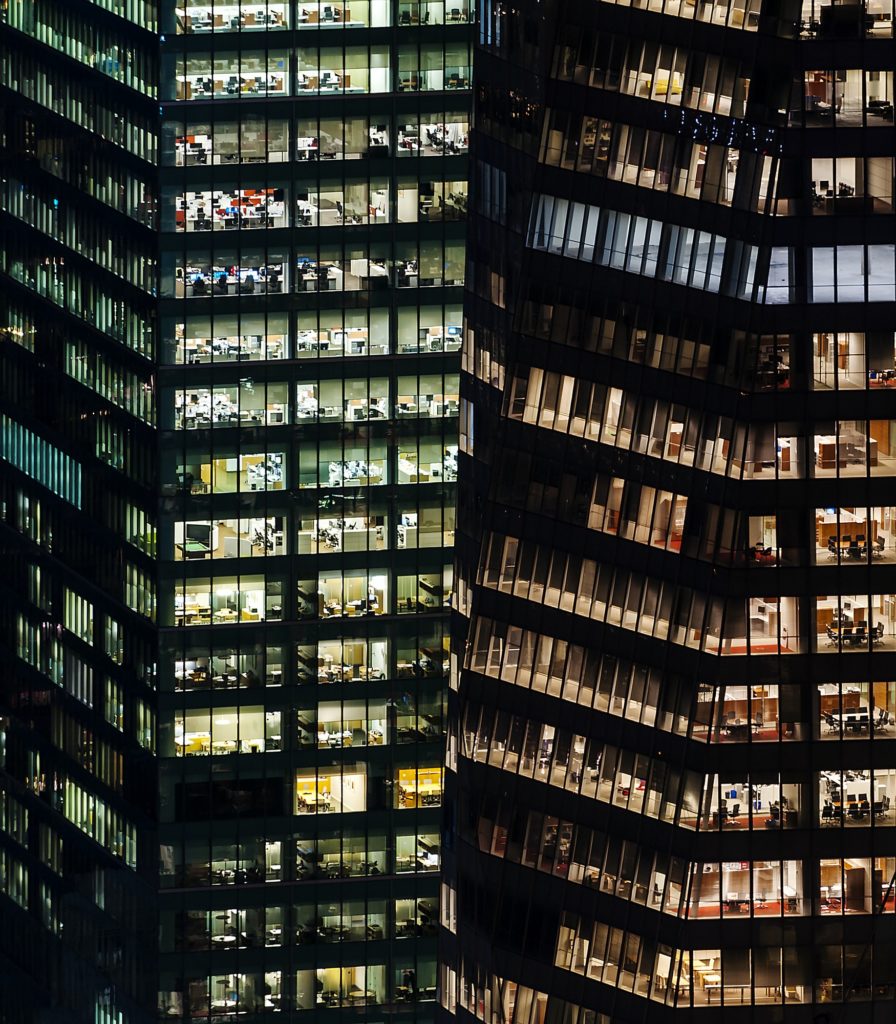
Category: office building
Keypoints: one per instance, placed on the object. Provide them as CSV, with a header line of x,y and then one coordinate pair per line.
x,y
233,257
671,772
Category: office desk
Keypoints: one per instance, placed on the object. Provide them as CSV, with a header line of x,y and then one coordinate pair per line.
x,y
856,722
826,453
315,801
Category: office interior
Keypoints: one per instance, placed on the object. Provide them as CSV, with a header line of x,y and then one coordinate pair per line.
x,y
237,209
267,140
209,16
228,15
254,471
222,668
849,535
227,599
854,359
233,730
340,791
251,537
825,19
249,403
848,97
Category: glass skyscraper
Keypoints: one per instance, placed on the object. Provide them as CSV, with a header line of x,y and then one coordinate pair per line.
x,y
233,259
672,775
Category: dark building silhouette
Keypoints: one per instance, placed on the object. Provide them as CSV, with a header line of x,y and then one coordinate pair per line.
x,y
672,791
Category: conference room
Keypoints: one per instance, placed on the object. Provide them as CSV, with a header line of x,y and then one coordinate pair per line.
x,y
418,787
350,723
854,535
853,710
857,797
340,790
234,730
742,714
845,622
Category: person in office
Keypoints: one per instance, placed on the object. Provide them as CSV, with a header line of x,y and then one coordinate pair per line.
x,y
199,285
221,284
249,283
409,980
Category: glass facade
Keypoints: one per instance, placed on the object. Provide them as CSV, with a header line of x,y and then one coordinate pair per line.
x,y
78,850
232,278
670,760
312,207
